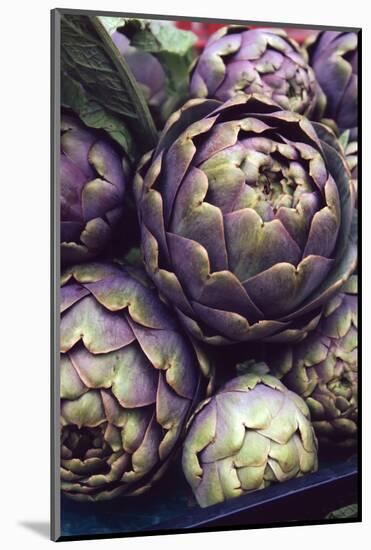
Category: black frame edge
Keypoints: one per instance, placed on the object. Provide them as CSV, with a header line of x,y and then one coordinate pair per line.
x,y
55,512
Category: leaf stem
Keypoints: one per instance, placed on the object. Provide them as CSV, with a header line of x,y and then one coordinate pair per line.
x,y
148,131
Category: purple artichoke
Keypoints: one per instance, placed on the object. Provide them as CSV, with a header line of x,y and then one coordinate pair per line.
x,y
252,433
334,58
323,370
264,61
245,217
129,380
93,178
145,67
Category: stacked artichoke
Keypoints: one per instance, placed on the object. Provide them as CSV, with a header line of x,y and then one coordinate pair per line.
x,y
246,223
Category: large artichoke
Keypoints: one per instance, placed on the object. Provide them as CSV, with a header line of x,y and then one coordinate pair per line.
x,y
265,61
250,434
245,217
93,178
129,379
323,369
334,58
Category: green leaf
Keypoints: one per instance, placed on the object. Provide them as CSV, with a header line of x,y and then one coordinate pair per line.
x,y
90,58
94,115
159,38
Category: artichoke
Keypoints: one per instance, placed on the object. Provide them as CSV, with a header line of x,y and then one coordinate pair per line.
x,y
323,370
245,218
265,61
93,178
334,59
129,379
252,433
145,67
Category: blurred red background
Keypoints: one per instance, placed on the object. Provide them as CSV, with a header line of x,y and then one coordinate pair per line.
x,y
204,30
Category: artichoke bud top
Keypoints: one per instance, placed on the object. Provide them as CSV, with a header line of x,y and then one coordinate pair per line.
x,y
253,432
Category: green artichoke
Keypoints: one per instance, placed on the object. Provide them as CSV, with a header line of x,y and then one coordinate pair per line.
x,y
265,61
251,433
323,370
245,217
129,380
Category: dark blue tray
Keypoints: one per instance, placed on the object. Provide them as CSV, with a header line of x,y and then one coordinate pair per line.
x,y
169,507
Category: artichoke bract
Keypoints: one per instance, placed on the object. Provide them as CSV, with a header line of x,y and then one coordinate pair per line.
x,y
334,58
323,369
93,178
245,218
253,432
265,61
129,379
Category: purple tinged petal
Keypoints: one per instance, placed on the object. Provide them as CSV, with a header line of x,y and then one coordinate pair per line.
x,y
147,454
153,230
135,427
108,164
166,281
72,181
121,291
75,144
97,198
72,386
322,235
232,325
199,221
135,381
343,268
114,413
228,438
177,161
325,224
254,246
219,289
253,45
171,413
168,351
221,136
241,76
283,287
210,66
96,371
96,235
100,331
71,294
